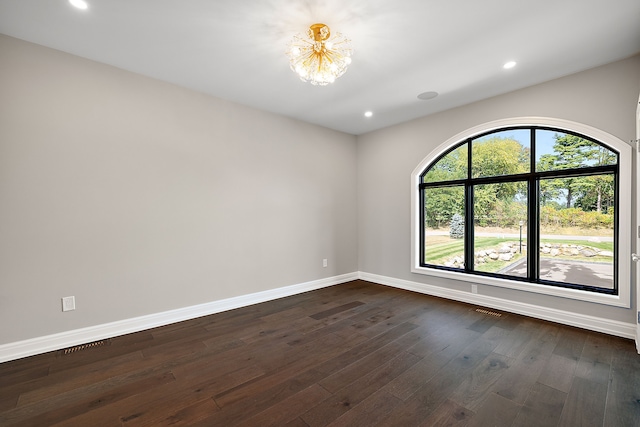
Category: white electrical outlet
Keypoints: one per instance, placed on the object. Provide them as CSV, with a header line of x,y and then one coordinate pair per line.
x,y
474,289
325,262
68,303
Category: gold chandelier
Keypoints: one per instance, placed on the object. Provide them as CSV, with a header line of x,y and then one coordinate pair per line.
x,y
318,57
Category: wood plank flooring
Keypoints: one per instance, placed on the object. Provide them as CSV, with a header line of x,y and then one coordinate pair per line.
x,y
356,354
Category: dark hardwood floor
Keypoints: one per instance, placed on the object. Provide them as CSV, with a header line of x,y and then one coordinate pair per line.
x,y
356,354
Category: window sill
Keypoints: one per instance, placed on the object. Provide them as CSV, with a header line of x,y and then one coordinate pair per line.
x,y
586,296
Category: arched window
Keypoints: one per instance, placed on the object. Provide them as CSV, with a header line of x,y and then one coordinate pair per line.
x,y
534,206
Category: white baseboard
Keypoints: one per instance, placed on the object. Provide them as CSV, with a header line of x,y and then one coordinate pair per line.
x,y
598,324
20,349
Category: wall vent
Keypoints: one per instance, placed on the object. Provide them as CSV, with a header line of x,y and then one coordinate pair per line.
x,y
81,347
490,313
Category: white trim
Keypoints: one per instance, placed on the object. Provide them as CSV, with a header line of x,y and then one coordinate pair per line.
x,y
593,323
637,223
66,339
623,299
54,342
613,300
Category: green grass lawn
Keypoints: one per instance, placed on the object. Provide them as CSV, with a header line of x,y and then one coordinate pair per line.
x,y
603,246
441,248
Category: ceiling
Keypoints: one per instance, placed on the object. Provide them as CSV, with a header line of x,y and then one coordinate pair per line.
x,y
235,49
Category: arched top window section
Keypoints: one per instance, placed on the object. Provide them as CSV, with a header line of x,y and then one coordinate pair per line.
x,y
509,152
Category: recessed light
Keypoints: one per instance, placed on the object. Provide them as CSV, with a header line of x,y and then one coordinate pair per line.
x,y
368,114
80,4
509,65
425,96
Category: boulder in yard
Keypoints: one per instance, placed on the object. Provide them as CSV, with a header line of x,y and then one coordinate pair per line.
x,y
506,257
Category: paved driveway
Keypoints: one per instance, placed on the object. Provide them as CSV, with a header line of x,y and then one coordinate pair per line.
x,y
560,270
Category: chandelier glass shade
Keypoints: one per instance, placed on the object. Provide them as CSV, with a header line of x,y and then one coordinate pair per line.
x,y
319,57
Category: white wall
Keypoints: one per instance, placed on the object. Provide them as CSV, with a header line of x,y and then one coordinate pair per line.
x,y
138,197
604,98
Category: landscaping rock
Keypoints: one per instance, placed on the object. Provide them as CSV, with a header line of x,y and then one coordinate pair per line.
x,y
506,257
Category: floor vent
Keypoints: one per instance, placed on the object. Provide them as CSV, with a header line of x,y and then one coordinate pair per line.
x,y
77,348
490,313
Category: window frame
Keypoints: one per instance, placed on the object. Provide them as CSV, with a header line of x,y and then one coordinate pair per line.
x,y
623,211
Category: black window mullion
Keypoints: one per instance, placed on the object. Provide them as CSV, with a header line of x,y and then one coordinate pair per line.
x,y
533,230
423,227
616,231
585,171
533,211
452,183
468,213
469,258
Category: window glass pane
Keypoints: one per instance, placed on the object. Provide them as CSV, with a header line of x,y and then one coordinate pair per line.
x,y
500,228
444,226
452,166
557,150
577,230
502,153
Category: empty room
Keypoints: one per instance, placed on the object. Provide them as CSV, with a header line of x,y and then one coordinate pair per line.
x,y
319,213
